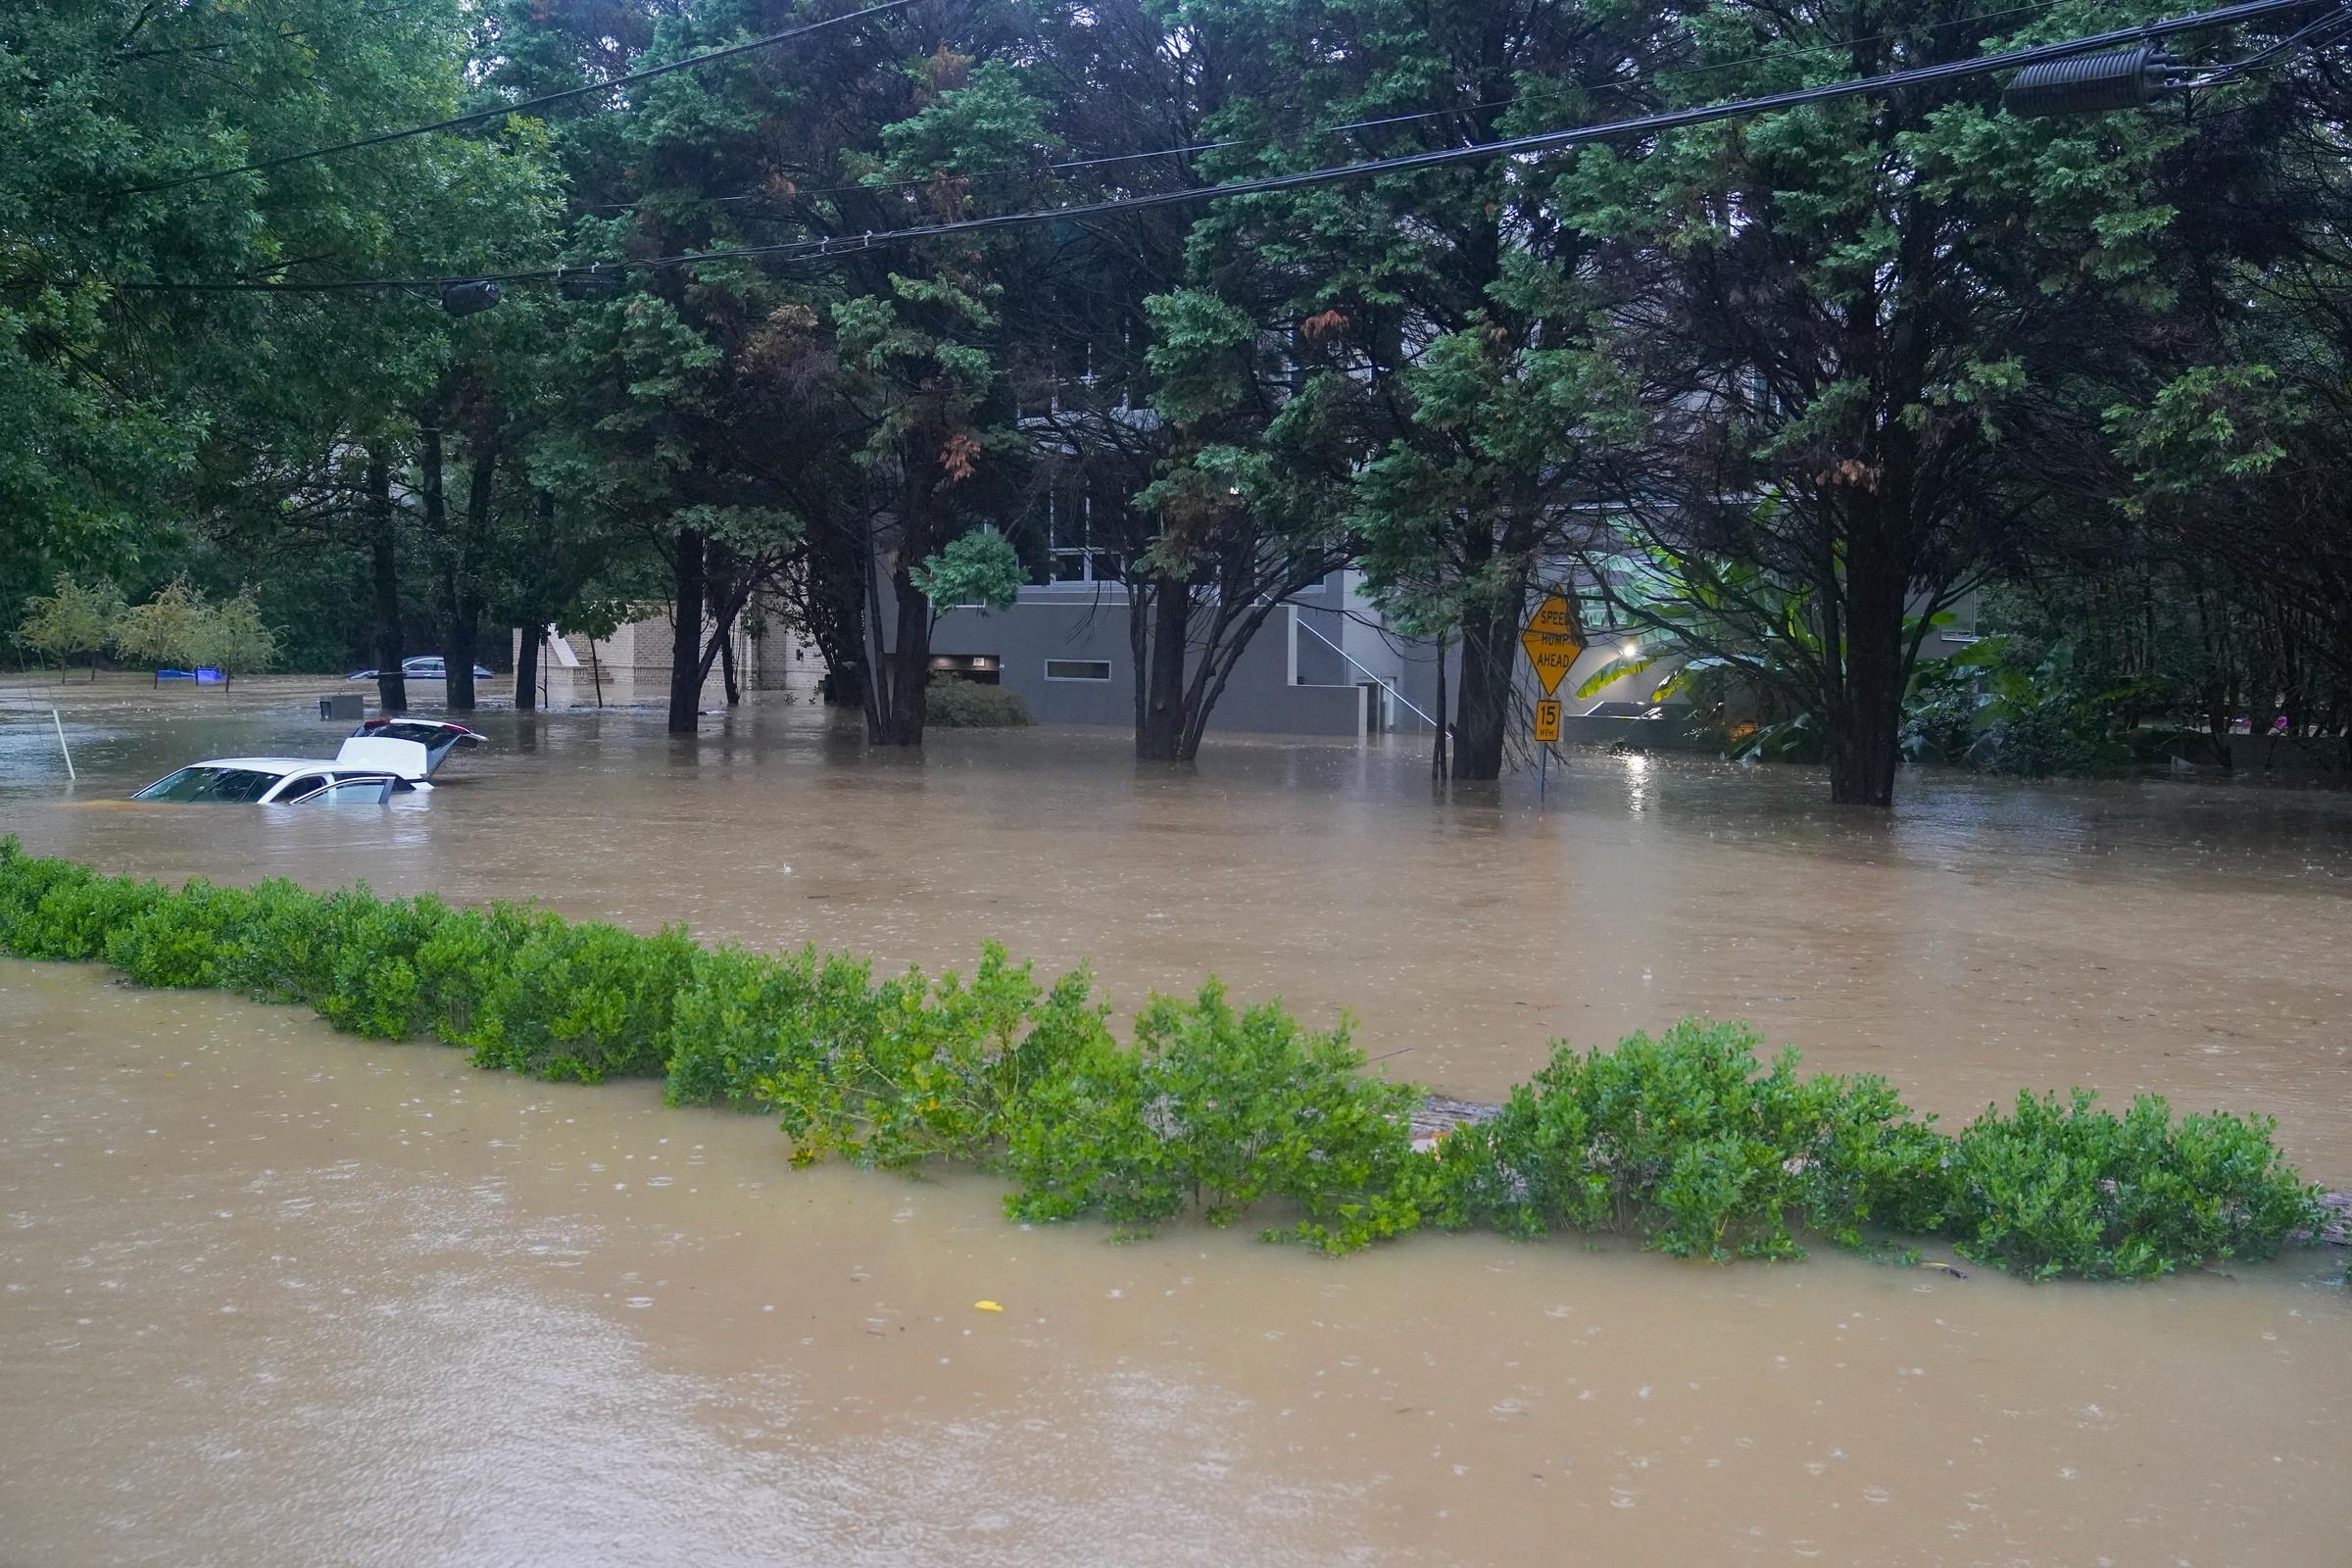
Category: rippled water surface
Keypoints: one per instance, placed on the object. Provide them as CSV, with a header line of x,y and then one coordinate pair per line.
x,y
274,1295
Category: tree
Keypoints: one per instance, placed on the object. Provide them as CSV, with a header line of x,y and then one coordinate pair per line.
x,y
75,619
169,631
232,637
1869,316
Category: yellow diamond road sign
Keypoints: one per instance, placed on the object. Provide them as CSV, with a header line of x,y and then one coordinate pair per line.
x,y
1551,642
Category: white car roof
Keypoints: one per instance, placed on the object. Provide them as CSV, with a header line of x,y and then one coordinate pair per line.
x,y
280,767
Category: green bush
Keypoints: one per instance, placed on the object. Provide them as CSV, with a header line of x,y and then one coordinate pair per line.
x,y
1221,1111
69,914
745,1017
585,1002
1683,1142
177,942
374,978
953,704
2068,1189
463,955
932,1070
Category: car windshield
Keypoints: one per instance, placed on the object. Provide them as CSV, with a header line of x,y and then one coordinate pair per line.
x,y
204,783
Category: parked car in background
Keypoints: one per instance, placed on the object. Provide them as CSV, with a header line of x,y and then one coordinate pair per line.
x,y
424,667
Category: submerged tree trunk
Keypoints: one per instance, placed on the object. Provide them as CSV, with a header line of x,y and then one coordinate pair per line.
x,y
527,666
686,631
391,686
1490,644
1863,718
1439,765
726,665
907,673
1164,633
460,581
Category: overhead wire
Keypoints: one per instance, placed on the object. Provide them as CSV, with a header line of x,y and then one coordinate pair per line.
x,y
1441,157
502,110
1630,85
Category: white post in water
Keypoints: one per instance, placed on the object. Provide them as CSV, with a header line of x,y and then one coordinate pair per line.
x,y
71,776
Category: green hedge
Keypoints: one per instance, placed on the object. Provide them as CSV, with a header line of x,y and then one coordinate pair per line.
x,y
1683,1142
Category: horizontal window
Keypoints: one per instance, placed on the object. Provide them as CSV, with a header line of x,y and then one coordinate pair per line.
x,y
1077,670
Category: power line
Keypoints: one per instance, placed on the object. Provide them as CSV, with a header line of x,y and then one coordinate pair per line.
x,y
1442,156
481,115
1631,85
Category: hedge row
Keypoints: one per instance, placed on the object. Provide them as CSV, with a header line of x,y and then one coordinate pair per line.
x,y
1683,1141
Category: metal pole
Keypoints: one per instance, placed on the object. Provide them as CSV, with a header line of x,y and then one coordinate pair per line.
x,y
71,776
1542,773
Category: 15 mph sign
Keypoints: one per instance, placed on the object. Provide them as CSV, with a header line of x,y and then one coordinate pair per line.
x,y
1551,642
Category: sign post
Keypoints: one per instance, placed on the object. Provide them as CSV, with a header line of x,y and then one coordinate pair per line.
x,y
1552,644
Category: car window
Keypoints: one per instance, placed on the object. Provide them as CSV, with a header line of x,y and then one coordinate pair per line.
x,y
354,792
231,784
296,789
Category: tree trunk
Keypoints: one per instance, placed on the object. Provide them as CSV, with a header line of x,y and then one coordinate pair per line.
x,y
1438,766
526,667
1863,721
686,632
535,595
726,665
391,686
1160,719
460,582
910,669
1489,636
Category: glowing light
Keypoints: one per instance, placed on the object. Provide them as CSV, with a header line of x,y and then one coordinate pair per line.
x,y
1631,650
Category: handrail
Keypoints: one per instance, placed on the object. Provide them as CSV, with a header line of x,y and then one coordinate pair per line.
x,y
1358,662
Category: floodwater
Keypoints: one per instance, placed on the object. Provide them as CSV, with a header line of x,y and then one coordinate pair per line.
x,y
269,1294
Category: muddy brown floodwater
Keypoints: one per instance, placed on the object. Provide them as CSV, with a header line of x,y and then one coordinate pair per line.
x,y
269,1294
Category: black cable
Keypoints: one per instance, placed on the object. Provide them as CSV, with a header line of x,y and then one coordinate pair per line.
x,y
481,115
1625,87
1539,141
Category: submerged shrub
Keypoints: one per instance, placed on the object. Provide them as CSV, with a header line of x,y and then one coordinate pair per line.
x,y
1683,1143
1222,1110
461,956
70,916
953,704
177,942
745,1016
2059,1189
930,1071
585,1002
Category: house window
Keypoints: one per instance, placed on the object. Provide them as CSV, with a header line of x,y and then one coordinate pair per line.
x,y
1077,670
1078,552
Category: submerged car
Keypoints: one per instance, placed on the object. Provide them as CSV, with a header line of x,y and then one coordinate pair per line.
x,y
424,667
364,773
438,737
274,781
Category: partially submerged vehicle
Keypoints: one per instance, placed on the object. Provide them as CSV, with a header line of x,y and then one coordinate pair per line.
x,y
424,667
364,773
438,737
275,781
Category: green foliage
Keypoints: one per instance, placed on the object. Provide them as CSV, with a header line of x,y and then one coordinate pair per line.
x,y
2068,1189
1222,1110
1683,1142
933,1075
234,639
953,704
980,567
745,1018
57,909
582,1001
73,620
169,631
